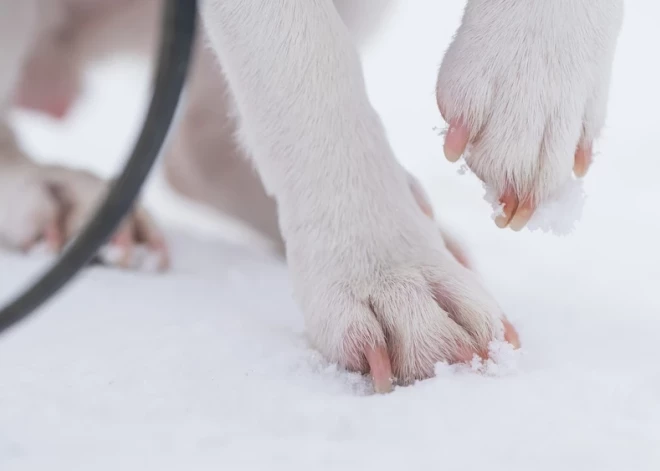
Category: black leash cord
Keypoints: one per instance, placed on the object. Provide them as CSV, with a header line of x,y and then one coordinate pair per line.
x,y
177,36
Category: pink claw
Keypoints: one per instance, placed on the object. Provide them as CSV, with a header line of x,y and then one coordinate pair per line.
x,y
381,369
583,160
456,140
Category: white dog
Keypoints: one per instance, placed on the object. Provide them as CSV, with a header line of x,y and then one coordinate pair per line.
x,y
524,84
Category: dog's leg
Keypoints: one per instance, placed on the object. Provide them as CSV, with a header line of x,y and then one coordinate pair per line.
x,y
69,39
49,203
525,85
18,23
203,160
378,288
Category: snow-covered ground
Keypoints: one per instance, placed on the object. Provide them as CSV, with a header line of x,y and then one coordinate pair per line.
x,y
207,367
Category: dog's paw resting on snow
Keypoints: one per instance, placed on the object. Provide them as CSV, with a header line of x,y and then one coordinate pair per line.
x,y
406,300
524,86
50,205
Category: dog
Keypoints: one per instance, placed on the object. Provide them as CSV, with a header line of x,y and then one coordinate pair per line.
x,y
278,86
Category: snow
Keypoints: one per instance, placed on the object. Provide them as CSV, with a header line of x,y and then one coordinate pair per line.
x,y
207,367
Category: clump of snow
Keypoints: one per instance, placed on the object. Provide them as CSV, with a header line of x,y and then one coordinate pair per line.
x,y
463,169
560,213
440,131
493,198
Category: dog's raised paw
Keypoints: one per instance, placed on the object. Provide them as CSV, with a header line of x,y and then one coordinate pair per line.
x,y
524,88
47,206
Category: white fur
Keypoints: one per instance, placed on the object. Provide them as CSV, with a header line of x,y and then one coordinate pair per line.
x,y
531,80
368,266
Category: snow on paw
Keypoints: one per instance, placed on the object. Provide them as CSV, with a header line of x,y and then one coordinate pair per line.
x,y
47,206
524,89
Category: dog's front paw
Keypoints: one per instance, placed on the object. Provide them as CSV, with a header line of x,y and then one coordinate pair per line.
x,y
390,296
524,86
50,205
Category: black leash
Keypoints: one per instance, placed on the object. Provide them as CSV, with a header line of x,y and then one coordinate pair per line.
x,y
177,37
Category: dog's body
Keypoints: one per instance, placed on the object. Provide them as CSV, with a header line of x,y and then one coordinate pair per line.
x,y
523,83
